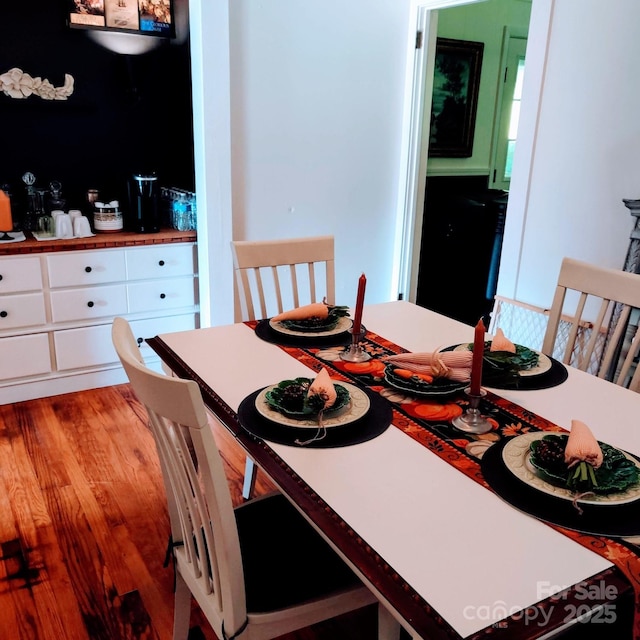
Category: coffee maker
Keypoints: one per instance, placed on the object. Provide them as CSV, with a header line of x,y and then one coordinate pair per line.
x,y
143,203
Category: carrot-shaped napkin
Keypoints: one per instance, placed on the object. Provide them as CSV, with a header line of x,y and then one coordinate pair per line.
x,y
501,343
582,446
322,387
583,455
318,310
453,365
321,395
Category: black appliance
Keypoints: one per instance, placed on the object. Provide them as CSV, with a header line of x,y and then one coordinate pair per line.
x,y
144,216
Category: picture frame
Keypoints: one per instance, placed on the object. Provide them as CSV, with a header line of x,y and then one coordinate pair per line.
x,y
456,82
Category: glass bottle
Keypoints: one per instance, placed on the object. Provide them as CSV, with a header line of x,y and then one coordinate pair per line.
x,y
182,213
55,200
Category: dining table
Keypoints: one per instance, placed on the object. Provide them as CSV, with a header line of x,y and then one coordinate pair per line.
x,y
450,529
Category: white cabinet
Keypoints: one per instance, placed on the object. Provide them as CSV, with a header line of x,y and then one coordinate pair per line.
x,y
24,356
160,261
89,303
82,268
22,310
20,274
56,310
163,294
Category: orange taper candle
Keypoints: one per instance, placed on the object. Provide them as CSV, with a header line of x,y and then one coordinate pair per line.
x,y
476,363
357,317
6,223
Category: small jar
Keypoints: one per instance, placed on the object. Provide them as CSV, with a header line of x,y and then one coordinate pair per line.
x,y
107,217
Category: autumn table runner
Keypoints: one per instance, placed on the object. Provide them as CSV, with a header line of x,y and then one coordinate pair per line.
x,y
428,422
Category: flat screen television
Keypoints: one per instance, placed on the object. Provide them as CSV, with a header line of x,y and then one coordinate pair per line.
x,y
140,17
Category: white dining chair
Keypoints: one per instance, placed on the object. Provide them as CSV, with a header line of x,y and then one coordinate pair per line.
x,y
272,276
599,307
257,571
270,273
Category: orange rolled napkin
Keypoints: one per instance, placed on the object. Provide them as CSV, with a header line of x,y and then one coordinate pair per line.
x,y
501,343
323,386
453,365
315,310
582,446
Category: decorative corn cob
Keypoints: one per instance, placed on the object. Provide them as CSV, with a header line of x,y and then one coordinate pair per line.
x,y
454,365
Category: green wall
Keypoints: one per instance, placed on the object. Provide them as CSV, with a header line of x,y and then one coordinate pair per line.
x,y
481,22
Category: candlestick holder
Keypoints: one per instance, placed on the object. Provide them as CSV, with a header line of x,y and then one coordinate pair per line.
x,y
472,421
354,352
5,236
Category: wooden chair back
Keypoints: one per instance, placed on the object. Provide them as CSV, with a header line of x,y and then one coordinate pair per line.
x,y
612,295
272,276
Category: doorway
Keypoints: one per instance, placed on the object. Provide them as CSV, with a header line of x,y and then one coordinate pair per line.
x,y
429,16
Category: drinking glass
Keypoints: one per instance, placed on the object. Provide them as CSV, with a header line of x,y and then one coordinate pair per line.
x,y
46,226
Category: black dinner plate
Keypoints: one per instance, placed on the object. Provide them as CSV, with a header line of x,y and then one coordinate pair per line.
x,y
372,424
555,376
266,332
440,388
614,520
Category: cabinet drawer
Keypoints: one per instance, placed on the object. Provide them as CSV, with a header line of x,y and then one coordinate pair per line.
x,y
143,329
92,346
161,294
84,347
85,268
24,356
160,261
88,303
20,274
24,310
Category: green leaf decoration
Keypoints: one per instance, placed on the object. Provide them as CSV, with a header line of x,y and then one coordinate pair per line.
x,y
616,473
523,359
503,367
289,397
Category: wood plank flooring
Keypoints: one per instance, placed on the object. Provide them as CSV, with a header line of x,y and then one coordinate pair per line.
x,y
84,526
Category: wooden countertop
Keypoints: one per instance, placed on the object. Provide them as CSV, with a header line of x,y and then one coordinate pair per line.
x,y
99,241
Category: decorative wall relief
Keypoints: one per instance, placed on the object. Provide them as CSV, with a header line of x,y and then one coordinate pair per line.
x,y
15,83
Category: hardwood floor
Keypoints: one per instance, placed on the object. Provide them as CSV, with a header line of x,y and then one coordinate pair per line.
x,y
84,526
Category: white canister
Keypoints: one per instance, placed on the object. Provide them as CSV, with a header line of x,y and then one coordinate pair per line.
x,y
107,217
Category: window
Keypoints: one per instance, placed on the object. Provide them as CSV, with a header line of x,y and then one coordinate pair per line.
x,y
509,113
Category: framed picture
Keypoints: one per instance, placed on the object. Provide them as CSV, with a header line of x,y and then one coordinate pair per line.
x,y
456,79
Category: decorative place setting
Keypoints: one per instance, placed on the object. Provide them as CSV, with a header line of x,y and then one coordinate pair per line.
x,y
513,366
320,324
314,412
316,324
428,375
572,480
538,459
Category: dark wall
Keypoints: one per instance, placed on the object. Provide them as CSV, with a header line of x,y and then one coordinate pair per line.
x,y
127,113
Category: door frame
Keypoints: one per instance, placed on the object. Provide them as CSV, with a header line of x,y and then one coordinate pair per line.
x,y
415,145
